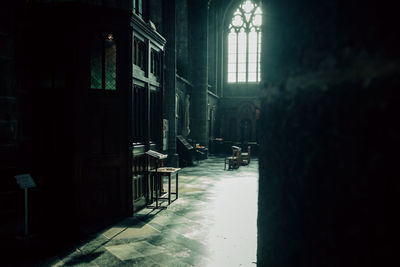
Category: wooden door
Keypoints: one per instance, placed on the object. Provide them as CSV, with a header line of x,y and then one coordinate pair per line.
x,y
103,132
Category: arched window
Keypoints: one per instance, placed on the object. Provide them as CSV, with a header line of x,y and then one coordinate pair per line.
x,y
244,44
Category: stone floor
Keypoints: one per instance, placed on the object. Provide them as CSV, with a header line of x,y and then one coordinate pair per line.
x,y
213,223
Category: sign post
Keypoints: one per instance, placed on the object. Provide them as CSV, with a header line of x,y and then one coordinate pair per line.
x,y
25,181
26,210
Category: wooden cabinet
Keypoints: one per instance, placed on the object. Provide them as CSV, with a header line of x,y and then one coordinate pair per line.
x,y
94,84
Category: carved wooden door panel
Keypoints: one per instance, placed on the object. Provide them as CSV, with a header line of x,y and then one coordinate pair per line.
x,y
104,166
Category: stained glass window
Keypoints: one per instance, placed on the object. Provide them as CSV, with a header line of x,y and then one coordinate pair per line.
x,y
103,62
244,44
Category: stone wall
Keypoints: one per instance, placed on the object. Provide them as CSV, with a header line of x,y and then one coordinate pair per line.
x,y
183,89
199,69
232,114
155,14
182,39
329,188
213,102
8,92
123,4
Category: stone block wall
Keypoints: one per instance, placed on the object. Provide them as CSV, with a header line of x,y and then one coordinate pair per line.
x,y
123,4
329,187
8,91
183,39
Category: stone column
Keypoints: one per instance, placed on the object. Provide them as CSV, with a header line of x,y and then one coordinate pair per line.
x,y
199,63
170,78
8,89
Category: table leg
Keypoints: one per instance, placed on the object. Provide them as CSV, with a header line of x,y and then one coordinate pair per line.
x,y
157,185
169,189
151,187
156,182
176,182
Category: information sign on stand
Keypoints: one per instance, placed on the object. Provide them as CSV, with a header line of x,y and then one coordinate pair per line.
x,y
25,181
156,154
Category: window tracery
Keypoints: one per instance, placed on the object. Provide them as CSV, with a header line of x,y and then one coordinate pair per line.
x,y
244,44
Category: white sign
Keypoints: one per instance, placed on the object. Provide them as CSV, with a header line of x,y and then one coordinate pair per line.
x,y
25,181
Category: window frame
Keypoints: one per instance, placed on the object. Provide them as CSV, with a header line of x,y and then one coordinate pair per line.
x,y
247,26
104,37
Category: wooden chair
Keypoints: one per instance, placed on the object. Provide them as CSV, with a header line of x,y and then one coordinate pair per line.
x,y
245,157
235,160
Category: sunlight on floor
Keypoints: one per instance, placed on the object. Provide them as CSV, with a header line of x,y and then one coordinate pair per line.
x,y
213,223
233,237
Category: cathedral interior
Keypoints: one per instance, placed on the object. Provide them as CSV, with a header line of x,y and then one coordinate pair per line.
x,y
96,95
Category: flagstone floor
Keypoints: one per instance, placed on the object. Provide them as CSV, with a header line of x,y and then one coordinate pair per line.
x,y
213,223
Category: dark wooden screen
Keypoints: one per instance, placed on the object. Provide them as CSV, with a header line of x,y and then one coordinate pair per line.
x,y
139,125
139,114
139,173
156,118
104,140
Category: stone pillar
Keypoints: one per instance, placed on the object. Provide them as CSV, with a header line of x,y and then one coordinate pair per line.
x,y
199,63
170,78
8,89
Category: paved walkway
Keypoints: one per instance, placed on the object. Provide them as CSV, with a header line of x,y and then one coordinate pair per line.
x,y
213,223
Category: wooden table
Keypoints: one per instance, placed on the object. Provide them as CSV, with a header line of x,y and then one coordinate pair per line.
x,y
157,176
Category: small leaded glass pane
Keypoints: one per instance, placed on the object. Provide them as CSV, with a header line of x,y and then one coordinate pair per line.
x,y
96,63
252,58
252,77
242,41
110,64
252,67
242,68
241,77
231,77
103,67
231,67
247,6
237,21
257,20
232,43
232,59
252,42
242,58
